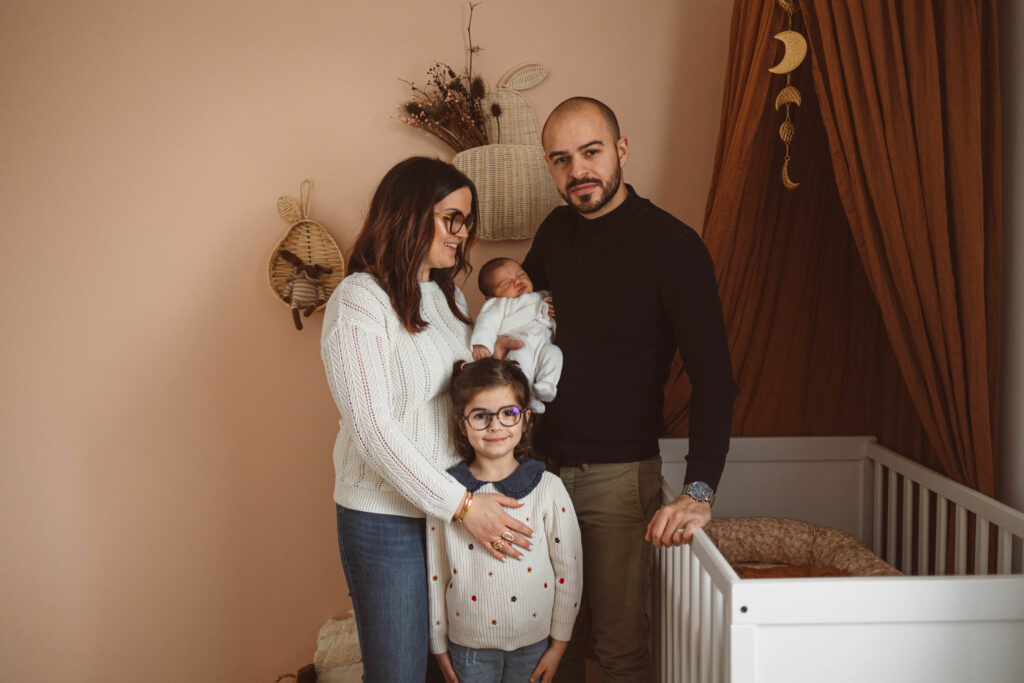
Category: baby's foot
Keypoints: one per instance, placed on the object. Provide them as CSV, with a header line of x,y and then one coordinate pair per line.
x,y
545,391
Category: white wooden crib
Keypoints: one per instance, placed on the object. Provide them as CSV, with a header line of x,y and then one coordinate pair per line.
x,y
956,620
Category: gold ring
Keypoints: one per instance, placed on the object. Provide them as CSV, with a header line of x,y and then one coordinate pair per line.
x,y
498,545
508,536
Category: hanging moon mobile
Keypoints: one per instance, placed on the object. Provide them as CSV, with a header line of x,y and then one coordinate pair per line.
x,y
787,95
796,50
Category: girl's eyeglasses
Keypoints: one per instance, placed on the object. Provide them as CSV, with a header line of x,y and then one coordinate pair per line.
x,y
480,419
455,220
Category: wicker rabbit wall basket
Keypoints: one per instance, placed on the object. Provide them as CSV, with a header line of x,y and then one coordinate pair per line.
x,y
515,189
306,264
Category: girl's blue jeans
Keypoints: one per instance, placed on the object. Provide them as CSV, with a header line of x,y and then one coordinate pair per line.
x,y
496,666
384,559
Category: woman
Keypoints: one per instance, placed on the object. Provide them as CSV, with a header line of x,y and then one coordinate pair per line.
x,y
392,331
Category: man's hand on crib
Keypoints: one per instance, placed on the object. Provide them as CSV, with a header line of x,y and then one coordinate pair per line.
x,y
675,522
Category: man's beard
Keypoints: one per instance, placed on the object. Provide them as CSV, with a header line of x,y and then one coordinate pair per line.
x,y
596,200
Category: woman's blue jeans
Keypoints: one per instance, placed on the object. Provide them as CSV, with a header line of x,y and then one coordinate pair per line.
x,y
384,559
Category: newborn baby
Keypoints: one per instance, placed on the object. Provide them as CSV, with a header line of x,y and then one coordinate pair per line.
x,y
513,309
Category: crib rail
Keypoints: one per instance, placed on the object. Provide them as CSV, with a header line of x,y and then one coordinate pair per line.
x,y
692,600
927,524
712,627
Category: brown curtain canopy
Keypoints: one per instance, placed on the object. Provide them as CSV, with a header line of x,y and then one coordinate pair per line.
x,y
866,300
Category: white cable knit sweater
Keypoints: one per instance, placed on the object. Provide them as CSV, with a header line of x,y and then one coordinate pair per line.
x,y
394,441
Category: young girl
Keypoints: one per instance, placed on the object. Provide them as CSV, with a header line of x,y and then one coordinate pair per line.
x,y
502,621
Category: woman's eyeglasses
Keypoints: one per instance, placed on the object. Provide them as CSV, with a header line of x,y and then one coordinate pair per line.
x,y
480,419
455,220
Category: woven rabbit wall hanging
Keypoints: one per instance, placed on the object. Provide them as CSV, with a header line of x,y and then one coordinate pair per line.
x,y
516,191
306,264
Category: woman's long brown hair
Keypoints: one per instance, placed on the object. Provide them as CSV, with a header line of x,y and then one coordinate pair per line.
x,y
399,230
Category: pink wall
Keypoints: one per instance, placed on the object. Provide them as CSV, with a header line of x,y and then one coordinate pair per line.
x,y
166,435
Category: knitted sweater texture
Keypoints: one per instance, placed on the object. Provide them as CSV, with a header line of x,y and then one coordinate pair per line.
x,y
631,288
478,602
394,441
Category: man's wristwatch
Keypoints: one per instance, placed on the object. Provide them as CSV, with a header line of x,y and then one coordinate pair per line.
x,y
700,492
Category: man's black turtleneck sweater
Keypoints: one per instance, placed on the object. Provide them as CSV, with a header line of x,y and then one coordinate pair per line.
x,y
630,288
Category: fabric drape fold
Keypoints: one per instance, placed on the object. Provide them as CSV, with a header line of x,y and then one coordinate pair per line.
x,y
799,271
909,98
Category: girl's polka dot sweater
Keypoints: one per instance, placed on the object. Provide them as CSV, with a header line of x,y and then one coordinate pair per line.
x,y
479,602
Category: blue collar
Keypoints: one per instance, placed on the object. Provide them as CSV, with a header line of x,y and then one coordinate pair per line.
x,y
516,485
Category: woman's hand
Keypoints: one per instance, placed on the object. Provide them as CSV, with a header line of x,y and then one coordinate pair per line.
x,y
445,662
488,523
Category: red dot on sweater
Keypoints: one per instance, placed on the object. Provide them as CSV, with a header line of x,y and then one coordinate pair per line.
x,y
494,622
457,614
561,581
534,615
431,528
473,598
438,623
563,509
455,571
545,584
435,578
529,569
490,573
575,603
513,598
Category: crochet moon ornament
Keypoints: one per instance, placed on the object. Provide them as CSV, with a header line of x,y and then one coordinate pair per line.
x,y
788,95
796,50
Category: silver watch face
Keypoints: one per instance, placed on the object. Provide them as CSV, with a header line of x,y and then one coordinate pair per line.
x,y
700,491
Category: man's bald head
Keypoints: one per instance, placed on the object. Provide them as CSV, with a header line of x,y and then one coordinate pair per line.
x,y
577,104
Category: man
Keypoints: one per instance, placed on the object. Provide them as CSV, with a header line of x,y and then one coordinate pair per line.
x,y
631,285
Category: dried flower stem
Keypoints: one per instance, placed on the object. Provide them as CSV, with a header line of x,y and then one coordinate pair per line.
x,y
448,106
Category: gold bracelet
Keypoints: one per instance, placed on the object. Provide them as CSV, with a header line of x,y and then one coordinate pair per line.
x,y
462,505
465,506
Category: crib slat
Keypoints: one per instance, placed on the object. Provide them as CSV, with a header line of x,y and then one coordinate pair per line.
x,y
717,635
692,630
906,561
666,603
677,644
876,540
890,525
680,641
941,526
705,627
980,546
1004,552
923,496
960,539
682,587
